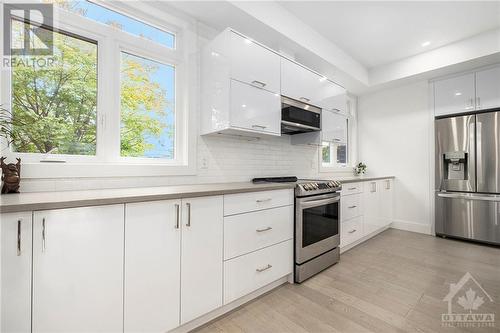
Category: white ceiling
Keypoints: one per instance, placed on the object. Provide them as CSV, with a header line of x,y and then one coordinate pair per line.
x,y
376,33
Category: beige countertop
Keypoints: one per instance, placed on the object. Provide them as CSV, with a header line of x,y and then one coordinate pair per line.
x,y
66,199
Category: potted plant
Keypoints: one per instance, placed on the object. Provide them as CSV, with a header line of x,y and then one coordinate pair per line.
x,y
360,169
11,173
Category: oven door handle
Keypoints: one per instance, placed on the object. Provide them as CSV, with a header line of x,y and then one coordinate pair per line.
x,y
316,203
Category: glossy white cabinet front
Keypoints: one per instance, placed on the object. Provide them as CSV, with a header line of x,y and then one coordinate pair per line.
x,y
488,88
253,64
201,256
454,95
334,127
15,244
255,109
78,269
152,266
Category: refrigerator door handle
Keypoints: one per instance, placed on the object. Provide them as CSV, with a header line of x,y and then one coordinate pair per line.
x,y
481,197
479,154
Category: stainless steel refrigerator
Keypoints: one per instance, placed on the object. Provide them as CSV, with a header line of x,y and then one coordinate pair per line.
x,y
468,177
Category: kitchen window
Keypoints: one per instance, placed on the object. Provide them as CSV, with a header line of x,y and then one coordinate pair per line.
x,y
335,150
115,94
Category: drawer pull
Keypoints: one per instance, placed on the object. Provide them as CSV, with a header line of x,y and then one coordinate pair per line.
x,y
259,126
352,188
352,231
263,269
352,207
305,99
177,216
258,84
43,235
265,229
263,200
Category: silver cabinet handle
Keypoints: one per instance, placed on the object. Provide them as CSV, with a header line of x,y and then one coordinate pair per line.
x,y
177,216
352,207
263,200
305,99
188,205
337,140
19,237
471,104
387,184
352,231
259,83
264,269
262,230
259,126
374,187
43,235
352,188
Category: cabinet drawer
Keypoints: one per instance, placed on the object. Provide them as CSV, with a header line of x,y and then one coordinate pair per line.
x,y
351,188
351,206
351,231
248,232
255,109
252,271
249,202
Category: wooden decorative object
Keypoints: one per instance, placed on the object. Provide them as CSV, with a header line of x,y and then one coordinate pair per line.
x,y
11,176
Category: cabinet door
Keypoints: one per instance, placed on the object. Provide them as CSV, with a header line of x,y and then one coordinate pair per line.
x,y
334,127
454,95
255,109
385,187
254,64
152,266
15,230
300,83
78,269
332,97
201,260
371,207
488,88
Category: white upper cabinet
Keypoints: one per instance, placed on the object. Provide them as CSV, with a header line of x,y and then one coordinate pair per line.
x,y
78,269
300,83
488,88
454,95
152,266
255,109
15,244
201,256
240,87
253,64
334,127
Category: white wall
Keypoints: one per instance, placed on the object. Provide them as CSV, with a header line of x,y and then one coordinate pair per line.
x,y
394,139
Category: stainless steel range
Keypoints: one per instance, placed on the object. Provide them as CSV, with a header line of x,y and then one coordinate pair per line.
x,y
317,221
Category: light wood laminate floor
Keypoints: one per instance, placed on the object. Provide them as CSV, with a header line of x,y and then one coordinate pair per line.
x,y
395,282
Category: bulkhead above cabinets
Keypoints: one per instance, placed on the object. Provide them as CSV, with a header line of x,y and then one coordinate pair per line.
x,y
242,82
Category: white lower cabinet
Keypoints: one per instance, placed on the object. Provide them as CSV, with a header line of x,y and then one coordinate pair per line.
x,y
78,270
152,266
201,256
15,240
247,273
366,207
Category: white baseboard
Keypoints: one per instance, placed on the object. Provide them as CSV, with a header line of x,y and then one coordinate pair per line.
x,y
215,314
412,226
347,247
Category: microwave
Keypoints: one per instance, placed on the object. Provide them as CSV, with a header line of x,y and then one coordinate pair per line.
x,y
299,117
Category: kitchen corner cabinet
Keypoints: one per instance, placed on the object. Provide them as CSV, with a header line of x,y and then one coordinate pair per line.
x,y
78,269
479,90
15,231
240,87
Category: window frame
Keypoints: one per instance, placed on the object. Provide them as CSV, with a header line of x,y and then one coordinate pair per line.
x,y
107,161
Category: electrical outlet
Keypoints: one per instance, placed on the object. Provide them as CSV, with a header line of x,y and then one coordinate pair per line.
x,y
204,163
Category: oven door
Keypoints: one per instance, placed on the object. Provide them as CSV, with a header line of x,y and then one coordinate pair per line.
x,y
316,226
